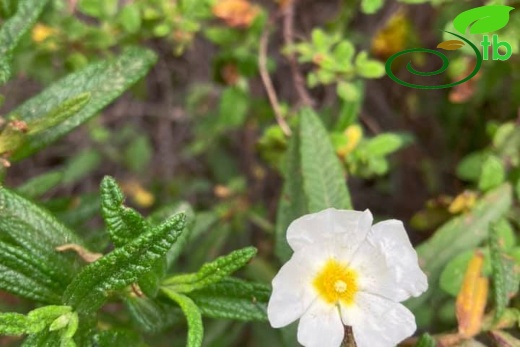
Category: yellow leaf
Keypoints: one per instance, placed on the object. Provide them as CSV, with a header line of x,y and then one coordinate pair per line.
x,y
393,36
472,298
451,45
463,202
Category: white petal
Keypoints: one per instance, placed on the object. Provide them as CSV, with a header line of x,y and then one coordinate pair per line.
x,y
387,264
378,322
292,288
343,229
321,326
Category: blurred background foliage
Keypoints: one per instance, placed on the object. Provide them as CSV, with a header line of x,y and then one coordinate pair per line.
x,y
202,128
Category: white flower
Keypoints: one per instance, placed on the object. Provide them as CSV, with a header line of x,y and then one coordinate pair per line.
x,y
344,271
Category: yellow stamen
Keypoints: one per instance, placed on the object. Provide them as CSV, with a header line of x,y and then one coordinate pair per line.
x,y
336,282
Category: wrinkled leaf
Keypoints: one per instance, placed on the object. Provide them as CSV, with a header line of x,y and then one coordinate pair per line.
x,y
505,273
233,299
323,178
212,272
105,81
123,266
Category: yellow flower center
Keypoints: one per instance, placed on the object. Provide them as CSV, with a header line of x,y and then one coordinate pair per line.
x,y
336,282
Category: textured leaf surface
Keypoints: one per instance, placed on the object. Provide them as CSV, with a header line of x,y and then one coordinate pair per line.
x,y
16,27
29,265
123,224
505,273
233,299
33,322
193,316
293,203
461,234
150,315
212,272
323,180
104,80
123,266
118,338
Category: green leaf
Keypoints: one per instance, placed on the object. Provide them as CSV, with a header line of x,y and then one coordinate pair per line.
x,y
323,178
235,299
212,272
482,20
493,173
99,8
130,18
81,165
169,210
453,273
470,167
368,68
15,28
192,313
32,323
293,203
123,223
122,267
348,91
386,144
105,81
150,315
371,6
233,108
29,264
460,234
139,154
426,340
40,185
117,338
505,273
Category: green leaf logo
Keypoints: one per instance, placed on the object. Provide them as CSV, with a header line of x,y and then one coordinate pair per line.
x,y
482,20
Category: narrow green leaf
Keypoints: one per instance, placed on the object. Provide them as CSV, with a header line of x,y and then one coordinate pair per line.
x,y
426,340
104,80
30,266
169,210
323,178
505,273
81,165
192,313
235,299
123,224
40,185
151,316
123,266
293,203
459,235
117,338
212,272
15,28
